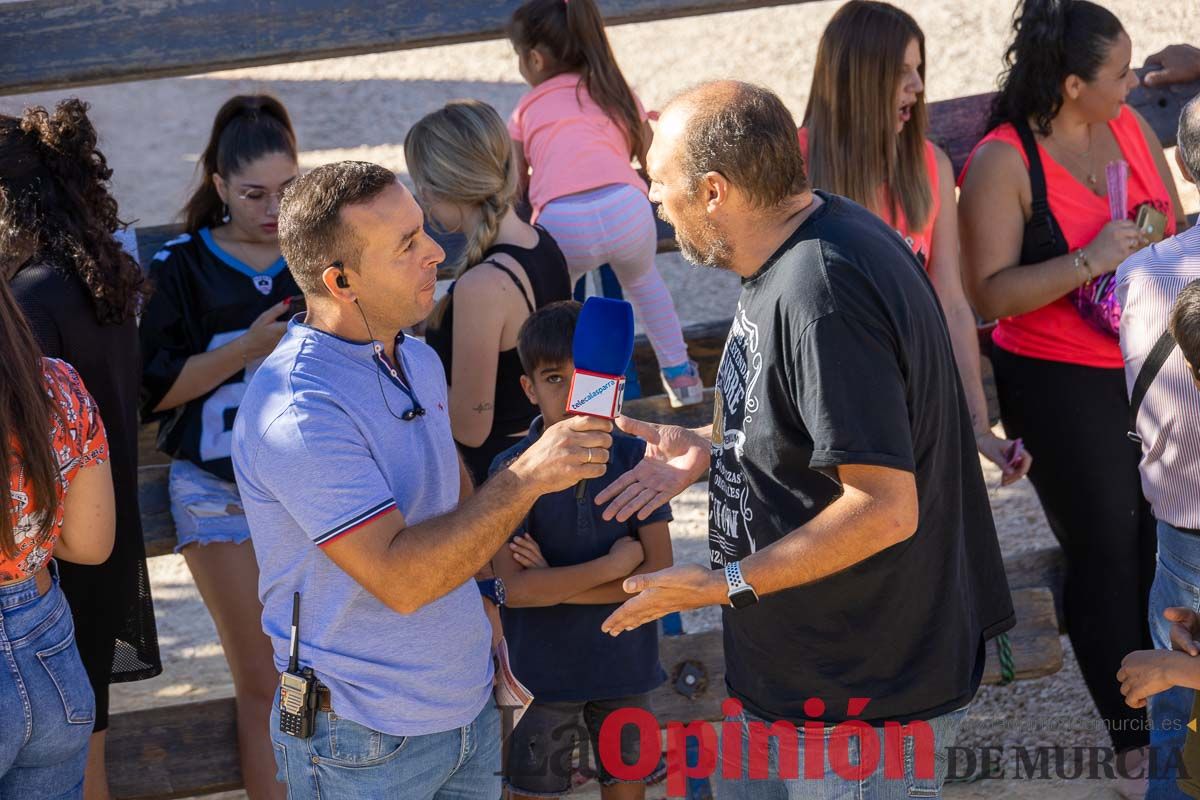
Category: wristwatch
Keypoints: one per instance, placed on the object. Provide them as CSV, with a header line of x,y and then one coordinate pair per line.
x,y
741,594
492,589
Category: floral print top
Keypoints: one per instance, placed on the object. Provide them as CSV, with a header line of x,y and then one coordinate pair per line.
x,y
78,438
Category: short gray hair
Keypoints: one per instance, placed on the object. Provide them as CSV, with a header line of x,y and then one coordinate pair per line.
x,y
1188,138
745,133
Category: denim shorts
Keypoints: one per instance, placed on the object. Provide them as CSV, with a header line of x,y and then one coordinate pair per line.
x,y
205,508
540,751
47,708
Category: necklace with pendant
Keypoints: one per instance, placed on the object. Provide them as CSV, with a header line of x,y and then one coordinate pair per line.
x,y
1092,180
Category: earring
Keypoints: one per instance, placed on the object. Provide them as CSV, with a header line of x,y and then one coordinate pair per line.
x,y
224,212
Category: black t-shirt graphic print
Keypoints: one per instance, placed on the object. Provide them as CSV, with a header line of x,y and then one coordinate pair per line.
x,y
839,355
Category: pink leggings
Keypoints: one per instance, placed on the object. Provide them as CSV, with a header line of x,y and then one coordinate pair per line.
x,y
615,225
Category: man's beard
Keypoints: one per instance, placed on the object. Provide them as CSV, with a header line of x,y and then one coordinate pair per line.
x,y
709,249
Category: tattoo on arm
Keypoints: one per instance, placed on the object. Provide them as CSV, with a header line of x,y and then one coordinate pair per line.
x,y
482,407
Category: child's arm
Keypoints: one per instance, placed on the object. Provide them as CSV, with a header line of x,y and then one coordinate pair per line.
x,y
656,542
1147,672
550,586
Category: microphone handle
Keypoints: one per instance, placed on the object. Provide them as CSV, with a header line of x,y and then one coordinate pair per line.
x,y
580,490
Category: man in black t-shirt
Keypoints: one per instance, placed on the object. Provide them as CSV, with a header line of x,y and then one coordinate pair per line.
x,y
850,534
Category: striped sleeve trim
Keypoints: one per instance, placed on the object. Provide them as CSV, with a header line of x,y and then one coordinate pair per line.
x,y
352,525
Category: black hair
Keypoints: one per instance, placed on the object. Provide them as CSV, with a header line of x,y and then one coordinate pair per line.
x,y
247,127
548,335
55,199
1052,39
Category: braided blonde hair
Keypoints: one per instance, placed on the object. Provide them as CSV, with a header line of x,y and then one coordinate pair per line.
x,y
462,154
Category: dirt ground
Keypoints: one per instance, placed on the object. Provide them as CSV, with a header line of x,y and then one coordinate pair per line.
x,y
360,108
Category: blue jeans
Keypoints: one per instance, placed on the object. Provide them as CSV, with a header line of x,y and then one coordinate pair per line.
x,y
46,703
838,756
345,759
1176,583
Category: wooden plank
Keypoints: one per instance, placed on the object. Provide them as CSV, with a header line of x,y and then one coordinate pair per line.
x,y
658,409
958,124
151,238
1045,567
154,499
64,43
148,454
1036,647
174,751
191,749
705,341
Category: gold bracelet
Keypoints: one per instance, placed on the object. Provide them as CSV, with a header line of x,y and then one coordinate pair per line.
x,y
1082,264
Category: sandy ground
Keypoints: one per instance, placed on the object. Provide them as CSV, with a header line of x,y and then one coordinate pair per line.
x,y
360,108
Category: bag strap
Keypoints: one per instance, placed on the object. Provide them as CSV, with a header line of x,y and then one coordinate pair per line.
x,y
1041,222
1150,368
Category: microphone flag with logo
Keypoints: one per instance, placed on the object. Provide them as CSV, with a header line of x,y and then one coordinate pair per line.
x,y
602,349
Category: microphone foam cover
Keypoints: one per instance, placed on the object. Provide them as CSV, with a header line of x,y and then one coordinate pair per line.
x,y
604,336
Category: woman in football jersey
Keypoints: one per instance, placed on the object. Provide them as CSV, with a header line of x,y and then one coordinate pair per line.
x,y
222,297
80,293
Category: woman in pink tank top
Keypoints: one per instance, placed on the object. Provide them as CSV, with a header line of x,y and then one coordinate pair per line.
x,y
1036,226
866,140
575,135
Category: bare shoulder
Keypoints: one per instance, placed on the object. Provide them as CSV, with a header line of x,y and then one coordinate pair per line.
x,y
945,167
486,277
943,160
996,165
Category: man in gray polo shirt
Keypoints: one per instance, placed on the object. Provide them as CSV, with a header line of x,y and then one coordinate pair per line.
x,y
357,500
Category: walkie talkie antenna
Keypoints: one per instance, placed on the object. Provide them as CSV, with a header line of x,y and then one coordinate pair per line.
x,y
294,650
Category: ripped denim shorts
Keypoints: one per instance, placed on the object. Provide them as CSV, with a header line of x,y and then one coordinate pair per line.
x,y
205,508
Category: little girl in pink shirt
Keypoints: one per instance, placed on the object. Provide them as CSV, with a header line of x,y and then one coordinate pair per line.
x,y
575,134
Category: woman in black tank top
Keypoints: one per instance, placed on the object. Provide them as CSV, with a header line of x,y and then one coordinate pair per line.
x,y
460,159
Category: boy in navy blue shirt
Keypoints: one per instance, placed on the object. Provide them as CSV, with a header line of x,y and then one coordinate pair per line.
x,y
562,574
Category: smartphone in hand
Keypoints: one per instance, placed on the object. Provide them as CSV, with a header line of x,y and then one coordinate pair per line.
x,y
296,305
1151,223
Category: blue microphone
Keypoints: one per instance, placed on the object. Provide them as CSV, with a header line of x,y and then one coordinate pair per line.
x,y
602,350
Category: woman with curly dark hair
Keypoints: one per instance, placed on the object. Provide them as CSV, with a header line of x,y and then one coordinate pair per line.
x,y
81,293
1040,240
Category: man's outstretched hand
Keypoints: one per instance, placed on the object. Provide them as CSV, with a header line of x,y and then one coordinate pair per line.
x,y
678,588
675,459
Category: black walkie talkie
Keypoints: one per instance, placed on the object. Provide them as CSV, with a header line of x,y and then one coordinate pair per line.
x,y
297,687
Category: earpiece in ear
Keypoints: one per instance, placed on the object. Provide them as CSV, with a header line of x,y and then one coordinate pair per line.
x,y
342,283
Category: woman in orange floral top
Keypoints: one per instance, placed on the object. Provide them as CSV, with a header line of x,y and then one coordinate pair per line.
x,y
60,502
